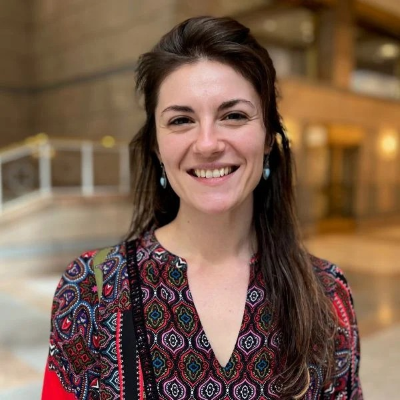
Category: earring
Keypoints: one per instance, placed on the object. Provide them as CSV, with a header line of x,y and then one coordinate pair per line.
x,y
266,169
163,179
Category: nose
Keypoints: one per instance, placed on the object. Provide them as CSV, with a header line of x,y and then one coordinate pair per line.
x,y
207,141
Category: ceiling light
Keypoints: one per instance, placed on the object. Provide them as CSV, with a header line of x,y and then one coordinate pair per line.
x,y
389,143
316,136
389,50
108,141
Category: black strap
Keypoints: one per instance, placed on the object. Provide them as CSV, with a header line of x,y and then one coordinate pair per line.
x,y
139,327
129,354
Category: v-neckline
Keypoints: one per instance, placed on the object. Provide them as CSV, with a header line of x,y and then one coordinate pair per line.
x,y
240,331
181,263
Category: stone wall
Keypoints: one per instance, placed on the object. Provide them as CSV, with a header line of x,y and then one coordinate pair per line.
x,y
85,52
15,70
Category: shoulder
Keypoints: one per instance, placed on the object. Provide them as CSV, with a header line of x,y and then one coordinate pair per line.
x,y
330,275
74,336
77,286
338,290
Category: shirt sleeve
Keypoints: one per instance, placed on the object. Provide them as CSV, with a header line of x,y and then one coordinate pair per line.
x,y
346,383
73,370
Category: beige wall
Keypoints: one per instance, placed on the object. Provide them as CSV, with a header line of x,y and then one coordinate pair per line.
x,y
15,75
85,52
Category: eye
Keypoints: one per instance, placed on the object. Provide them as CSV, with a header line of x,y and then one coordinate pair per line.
x,y
235,116
180,121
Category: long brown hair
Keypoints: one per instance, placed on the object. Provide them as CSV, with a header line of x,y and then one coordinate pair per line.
x,y
303,311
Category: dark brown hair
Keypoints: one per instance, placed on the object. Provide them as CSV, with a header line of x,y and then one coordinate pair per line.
x,y
303,310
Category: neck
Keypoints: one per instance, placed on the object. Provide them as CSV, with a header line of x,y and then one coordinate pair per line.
x,y
211,239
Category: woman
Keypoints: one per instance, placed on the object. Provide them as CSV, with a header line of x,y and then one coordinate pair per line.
x,y
213,295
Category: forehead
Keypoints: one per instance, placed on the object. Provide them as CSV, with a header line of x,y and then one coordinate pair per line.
x,y
204,81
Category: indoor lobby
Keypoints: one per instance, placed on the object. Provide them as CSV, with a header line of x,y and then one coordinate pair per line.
x,y
68,112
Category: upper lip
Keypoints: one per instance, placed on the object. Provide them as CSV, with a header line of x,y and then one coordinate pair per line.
x,y
212,166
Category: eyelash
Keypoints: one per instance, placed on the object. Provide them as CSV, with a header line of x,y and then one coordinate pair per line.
x,y
187,120
237,114
174,121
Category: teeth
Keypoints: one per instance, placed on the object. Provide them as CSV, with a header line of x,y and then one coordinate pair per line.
x,y
215,173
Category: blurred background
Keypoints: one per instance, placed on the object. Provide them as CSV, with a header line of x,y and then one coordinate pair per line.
x,y
68,111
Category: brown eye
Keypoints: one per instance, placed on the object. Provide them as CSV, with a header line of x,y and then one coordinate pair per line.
x,y
235,116
180,121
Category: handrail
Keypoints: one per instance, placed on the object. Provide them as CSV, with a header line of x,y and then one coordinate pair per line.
x,y
43,148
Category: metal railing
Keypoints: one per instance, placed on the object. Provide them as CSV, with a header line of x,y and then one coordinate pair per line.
x,y
35,169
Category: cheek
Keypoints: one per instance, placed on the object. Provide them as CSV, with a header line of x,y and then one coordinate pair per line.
x,y
171,149
254,149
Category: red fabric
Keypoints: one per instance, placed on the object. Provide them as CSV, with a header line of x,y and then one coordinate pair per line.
x,y
141,383
52,388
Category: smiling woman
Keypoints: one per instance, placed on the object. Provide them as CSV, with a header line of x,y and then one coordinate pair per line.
x,y
214,124
212,295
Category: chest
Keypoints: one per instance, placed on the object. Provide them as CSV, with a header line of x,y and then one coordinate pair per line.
x,y
218,333
219,300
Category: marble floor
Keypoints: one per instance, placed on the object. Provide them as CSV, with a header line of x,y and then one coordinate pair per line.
x,y
36,249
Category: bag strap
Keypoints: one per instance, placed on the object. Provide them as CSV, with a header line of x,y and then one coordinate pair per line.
x,y
98,260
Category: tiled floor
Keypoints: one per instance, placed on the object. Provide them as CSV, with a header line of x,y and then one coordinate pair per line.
x,y
34,252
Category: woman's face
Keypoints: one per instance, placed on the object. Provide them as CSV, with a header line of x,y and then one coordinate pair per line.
x,y
211,136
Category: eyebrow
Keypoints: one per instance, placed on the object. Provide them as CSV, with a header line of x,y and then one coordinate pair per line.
x,y
224,106
231,103
179,109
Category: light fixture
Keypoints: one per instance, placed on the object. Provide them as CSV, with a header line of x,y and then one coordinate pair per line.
x,y
108,142
41,138
316,136
389,51
389,143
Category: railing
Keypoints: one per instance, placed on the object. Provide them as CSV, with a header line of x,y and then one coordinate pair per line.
x,y
41,167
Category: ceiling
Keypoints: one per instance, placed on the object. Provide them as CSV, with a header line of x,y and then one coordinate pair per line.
x,y
392,6
296,28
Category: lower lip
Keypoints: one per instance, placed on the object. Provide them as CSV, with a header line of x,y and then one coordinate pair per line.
x,y
213,181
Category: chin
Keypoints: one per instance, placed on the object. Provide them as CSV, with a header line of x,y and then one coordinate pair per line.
x,y
215,207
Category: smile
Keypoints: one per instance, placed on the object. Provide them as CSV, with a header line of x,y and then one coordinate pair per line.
x,y
212,173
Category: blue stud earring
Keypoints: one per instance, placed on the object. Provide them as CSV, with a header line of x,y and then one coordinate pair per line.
x,y
163,179
266,169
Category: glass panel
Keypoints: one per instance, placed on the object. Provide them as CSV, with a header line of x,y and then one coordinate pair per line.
x,y
66,168
377,64
20,177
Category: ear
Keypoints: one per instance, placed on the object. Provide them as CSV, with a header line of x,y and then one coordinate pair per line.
x,y
158,155
269,142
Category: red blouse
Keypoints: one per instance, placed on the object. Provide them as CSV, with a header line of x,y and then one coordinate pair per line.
x,y
87,354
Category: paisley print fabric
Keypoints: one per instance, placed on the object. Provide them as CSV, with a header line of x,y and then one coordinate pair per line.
x,y
74,339
88,356
184,363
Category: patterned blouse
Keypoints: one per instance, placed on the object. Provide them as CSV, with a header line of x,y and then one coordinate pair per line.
x,y
174,359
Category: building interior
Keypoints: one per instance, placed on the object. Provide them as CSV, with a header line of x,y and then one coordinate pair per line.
x,y
68,112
